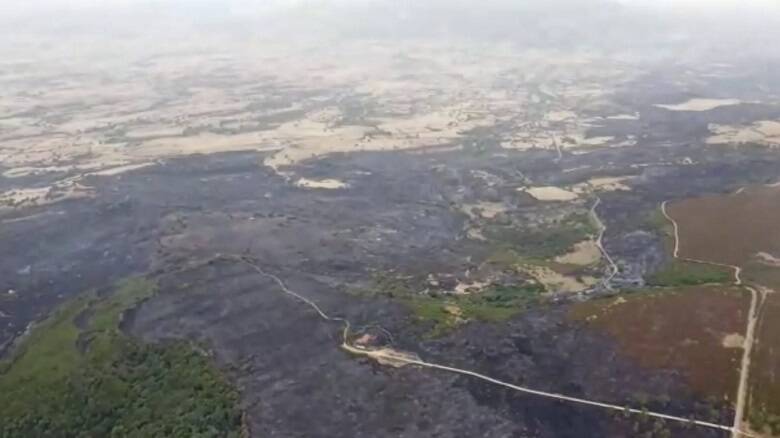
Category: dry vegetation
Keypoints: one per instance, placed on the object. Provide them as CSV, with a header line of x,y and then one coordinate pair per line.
x,y
740,229
729,229
677,329
363,97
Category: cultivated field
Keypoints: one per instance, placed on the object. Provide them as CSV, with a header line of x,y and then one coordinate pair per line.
x,y
740,229
730,229
678,330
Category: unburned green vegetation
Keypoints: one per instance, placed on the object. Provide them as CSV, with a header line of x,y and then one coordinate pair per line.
x,y
679,272
546,241
496,303
78,375
684,273
445,311
741,229
507,258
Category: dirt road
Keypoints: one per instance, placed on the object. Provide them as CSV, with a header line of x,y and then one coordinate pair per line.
x,y
613,269
752,321
386,355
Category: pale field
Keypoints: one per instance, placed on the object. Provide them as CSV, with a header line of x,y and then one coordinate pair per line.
x,y
556,282
463,288
583,253
330,184
485,210
550,193
128,105
765,132
634,116
699,104
602,184
733,340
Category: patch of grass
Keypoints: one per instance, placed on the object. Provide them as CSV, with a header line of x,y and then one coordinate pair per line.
x,y
546,242
446,311
763,421
497,303
682,273
43,361
131,292
657,222
89,379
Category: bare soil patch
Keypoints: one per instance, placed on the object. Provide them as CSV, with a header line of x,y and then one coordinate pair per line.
x,y
584,253
699,104
550,193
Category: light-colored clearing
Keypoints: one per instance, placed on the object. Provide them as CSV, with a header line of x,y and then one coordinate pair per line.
x,y
526,142
634,116
699,104
610,184
583,253
733,340
556,282
309,138
558,116
485,210
766,132
592,141
43,195
463,288
18,172
205,143
768,259
329,183
475,234
549,193
456,313
602,184
111,171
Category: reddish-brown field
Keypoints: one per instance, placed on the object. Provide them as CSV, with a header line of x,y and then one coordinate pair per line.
x,y
743,229
683,330
729,229
764,379
764,396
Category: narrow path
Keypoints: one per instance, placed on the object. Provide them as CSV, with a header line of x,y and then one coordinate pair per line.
x,y
613,268
747,350
752,321
391,355
676,253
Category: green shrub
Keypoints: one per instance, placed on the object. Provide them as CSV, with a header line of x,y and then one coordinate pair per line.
x,y
93,381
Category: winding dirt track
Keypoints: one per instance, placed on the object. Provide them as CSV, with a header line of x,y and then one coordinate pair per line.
x,y
613,269
397,357
753,318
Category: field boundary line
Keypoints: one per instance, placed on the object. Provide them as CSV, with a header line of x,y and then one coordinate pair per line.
x,y
752,321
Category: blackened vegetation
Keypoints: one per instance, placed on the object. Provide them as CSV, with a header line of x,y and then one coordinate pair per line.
x,y
400,216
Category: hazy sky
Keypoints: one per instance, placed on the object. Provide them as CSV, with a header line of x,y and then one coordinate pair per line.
x,y
561,21
43,5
